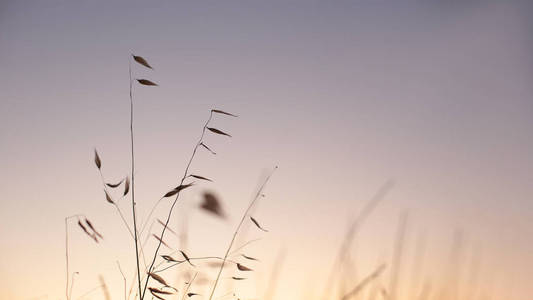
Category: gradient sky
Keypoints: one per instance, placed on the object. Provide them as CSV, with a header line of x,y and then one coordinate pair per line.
x,y
341,95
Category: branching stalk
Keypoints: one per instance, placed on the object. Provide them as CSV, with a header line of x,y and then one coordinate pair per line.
x,y
257,196
185,174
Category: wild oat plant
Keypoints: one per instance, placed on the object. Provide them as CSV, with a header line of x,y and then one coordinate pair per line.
x,y
147,277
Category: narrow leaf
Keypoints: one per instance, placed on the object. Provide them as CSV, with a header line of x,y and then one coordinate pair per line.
x,y
187,258
191,294
171,193
157,296
238,278
168,258
93,229
108,198
208,149
94,238
83,227
223,112
158,291
177,190
168,228
218,131
126,186
243,268
97,160
160,240
142,61
114,185
87,232
249,257
184,186
257,224
146,82
158,278
200,177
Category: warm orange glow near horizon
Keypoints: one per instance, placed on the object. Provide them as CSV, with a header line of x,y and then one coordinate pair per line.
x,y
344,97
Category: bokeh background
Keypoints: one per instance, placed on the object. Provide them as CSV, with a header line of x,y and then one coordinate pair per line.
x,y
343,96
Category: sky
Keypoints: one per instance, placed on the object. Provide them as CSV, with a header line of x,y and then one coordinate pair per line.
x,y
342,96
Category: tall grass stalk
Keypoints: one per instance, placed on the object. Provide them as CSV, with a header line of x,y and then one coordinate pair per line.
x,y
133,182
367,210
257,195
185,175
397,257
67,294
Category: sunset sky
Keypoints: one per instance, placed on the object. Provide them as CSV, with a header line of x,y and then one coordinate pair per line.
x,y
344,96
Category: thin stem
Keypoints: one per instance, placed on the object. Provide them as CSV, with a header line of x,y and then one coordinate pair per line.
x,y
66,250
90,291
123,277
133,183
188,286
66,256
352,231
257,196
132,285
275,275
185,173
122,216
72,285
364,282
397,257
148,234
242,246
149,216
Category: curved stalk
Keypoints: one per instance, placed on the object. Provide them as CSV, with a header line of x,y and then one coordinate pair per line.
x,y
257,195
185,175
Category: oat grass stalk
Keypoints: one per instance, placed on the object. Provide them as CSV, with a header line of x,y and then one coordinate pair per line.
x,y
397,257
94,289
133,182
67,294
354,228
189,286
185,175
123,278
72,284
359,287
257,196
274,276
